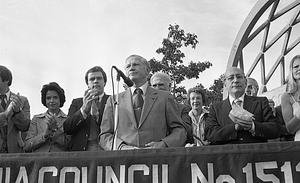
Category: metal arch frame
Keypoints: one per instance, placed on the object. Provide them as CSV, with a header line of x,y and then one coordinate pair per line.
x,y
244,37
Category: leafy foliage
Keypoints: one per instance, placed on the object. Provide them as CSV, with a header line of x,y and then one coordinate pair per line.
x,y
172,61
215,91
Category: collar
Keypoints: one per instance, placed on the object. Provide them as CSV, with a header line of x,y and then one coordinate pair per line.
x,y
100,96
143,88
60,114
231,99
7,95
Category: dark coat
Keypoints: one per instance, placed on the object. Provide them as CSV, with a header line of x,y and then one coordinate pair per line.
x,y
78,127
220,129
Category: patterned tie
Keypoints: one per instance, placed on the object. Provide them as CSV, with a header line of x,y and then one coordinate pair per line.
x,y
94,132
138,103
238,102
3,103
95,108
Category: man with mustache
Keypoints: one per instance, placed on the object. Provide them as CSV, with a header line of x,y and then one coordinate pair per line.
x,y
85,114
221,129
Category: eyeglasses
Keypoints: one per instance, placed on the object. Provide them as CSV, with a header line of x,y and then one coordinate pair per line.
x,y
250,87
237,76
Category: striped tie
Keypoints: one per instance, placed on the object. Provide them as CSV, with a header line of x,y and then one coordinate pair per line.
x,y
238,102
3,103
138,103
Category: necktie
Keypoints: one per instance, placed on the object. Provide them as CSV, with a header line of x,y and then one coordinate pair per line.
x,y
3,103
238,102
94,108
138,103
93,123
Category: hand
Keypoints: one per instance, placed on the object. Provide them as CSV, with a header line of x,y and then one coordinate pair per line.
x,y
89,96
157,145
9,110
238,127
52,122
190,145
128,147
16,102
245,124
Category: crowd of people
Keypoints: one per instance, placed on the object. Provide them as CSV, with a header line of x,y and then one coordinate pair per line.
x,y
146,115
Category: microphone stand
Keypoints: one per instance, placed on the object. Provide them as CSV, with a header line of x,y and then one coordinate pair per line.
x,y
116,115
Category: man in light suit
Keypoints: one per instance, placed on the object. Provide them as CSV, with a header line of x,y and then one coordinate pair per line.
x,y
220,129
85,113
159,125
14,115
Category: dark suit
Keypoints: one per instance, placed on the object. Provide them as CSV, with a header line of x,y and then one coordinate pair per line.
x,y
183,112
159,121
16,123
220,128
79,127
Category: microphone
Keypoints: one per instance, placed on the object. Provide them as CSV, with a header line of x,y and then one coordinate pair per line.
x,y
126,79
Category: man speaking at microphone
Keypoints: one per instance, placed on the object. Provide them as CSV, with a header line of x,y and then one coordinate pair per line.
x,y
85,114
147,117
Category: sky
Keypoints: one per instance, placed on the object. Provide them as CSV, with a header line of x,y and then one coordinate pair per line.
x,y
59,40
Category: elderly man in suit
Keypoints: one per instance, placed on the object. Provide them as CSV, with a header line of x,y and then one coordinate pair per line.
x,y
85,114
252,87
147,117
14,115
162,81
221,129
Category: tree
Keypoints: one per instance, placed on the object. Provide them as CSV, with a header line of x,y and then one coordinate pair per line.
x,y
215,92
172,61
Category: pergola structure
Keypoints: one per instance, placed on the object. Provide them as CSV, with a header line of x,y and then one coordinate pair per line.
x,y
270,24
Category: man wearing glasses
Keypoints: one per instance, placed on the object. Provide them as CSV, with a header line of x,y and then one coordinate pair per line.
x,y
252,87
255,128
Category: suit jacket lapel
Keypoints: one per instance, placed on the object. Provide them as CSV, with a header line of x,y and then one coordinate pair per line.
x,y
226,106
101,108
150,98
250,104
9,122
126,102
43,126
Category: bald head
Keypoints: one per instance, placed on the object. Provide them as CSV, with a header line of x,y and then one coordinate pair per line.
x,y
161,81
235,82
252,87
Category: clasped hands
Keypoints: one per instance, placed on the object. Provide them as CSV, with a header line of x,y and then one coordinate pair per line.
x,y
52,123
150,145
14,106
243,119
242,124
89,96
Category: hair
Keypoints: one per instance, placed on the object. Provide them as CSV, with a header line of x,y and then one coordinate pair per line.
x,y
142,59
95,69
162,75
5,74
53,86
292,84
254,81
271,101
198,91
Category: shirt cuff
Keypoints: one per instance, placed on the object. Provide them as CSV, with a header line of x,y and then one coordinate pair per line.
x,y
252,130
83,114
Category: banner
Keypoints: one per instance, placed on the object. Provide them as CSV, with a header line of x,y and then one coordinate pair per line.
x,y
247,163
